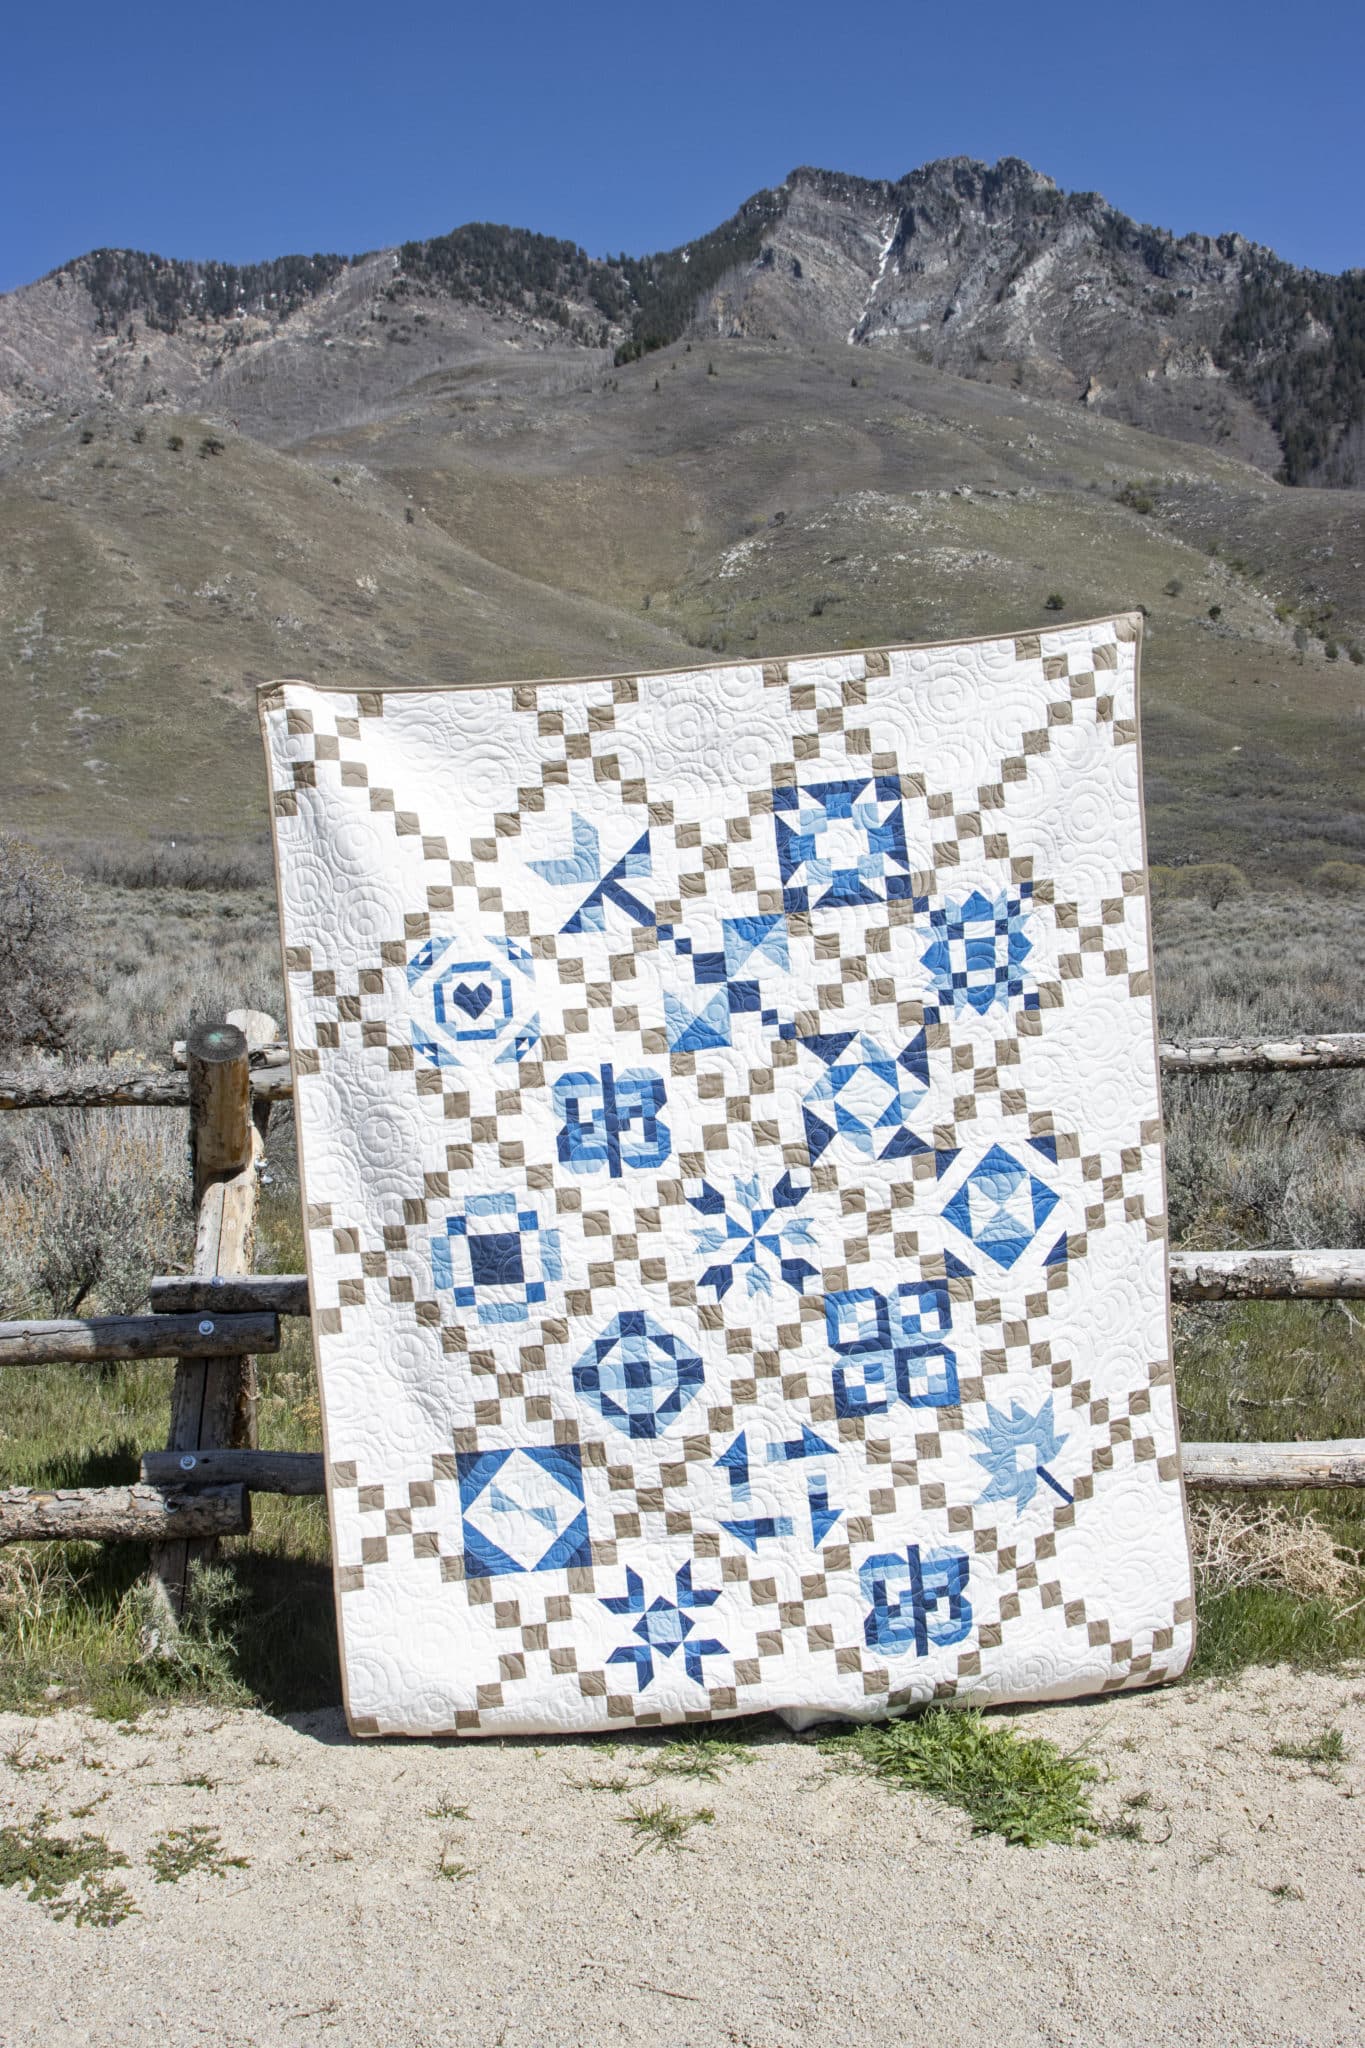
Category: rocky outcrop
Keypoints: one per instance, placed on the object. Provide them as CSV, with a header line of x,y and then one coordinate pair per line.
x,y
988,271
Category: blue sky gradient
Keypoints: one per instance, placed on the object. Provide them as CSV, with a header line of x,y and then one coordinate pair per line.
x,y
261,129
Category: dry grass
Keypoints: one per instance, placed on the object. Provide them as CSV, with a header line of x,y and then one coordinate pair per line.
x,y
1238,1544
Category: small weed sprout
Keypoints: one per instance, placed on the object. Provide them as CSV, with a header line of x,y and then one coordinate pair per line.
x,y
660,1825
446,1809
699,1756
1327,1749
183,1852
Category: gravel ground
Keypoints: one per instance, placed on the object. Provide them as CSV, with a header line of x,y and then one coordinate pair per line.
x,y
818,1907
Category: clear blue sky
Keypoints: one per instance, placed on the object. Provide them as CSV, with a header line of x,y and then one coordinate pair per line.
x,y
249,130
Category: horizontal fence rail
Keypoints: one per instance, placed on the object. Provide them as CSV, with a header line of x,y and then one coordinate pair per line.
x,y
1195,1276
294,1472
272,1078
125,1091
1340,1461
97,1339
1264,1056
122,1514
280,1294
1207,1467
1266,1276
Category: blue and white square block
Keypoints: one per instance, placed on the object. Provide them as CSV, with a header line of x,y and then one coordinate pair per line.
x,y
522,1510
1002,1208
495,1258
977,949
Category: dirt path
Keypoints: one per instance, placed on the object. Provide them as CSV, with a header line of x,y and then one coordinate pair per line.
x,y
817,1908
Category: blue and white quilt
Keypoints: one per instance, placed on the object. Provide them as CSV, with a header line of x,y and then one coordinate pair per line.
x,y
731,1146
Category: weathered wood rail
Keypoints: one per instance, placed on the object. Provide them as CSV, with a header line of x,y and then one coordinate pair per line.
x,y
93,1340
1264,1056
215,1320
122,1514
272,1079
1195,1276
1207,1467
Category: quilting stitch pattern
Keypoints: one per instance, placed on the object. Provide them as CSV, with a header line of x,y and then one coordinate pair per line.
x,y
728,1113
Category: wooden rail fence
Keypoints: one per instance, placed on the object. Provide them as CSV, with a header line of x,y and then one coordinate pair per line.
x,y
216,1320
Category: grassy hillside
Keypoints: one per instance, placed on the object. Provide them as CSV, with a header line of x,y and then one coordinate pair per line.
x,y
516,517
748,498
152,575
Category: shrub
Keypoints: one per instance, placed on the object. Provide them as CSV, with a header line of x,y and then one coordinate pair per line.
x,y
1215,612
1173,586
175,442
1054,602
1340,877
40,973
93,1204
1214,880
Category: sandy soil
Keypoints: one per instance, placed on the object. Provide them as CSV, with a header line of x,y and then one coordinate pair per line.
x,y
819,1907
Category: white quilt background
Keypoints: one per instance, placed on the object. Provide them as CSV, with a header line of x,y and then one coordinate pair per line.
x,y
729,1125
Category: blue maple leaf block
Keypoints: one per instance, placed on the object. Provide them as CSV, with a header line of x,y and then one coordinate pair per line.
x,y
638,1375
1017,1450
978,949
664,1626
755,1234
1001,1207
916,1600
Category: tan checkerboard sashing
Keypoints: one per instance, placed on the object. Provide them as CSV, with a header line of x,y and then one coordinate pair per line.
x,y
729,1123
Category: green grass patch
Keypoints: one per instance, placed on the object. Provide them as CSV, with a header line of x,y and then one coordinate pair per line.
x,y
191,1852
1021,1787
68,1879
1257,1625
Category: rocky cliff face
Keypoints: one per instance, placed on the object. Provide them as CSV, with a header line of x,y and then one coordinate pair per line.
x,y
995,274
989,272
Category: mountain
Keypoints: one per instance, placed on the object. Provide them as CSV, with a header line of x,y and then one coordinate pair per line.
x,y
854,413
988,271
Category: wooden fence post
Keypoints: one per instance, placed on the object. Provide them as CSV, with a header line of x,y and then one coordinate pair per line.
x,y
213,1401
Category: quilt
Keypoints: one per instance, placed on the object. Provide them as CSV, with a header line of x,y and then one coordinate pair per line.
x,y
729,1127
